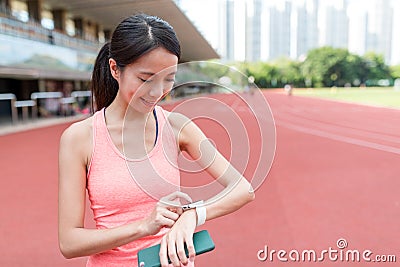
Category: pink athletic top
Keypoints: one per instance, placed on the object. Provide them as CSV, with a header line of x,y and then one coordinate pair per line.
x,y
117,185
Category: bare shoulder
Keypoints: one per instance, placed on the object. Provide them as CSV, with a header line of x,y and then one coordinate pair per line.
x,y
177,120
78,131
77,139
185,130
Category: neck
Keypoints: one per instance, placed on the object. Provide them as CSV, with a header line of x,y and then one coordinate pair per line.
x,y
119,111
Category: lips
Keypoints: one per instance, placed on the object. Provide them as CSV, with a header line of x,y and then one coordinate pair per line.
x,y
147,102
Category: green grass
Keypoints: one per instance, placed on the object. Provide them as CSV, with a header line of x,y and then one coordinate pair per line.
x,y
387,97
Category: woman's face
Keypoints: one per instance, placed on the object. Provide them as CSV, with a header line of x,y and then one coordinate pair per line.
x,y
143,83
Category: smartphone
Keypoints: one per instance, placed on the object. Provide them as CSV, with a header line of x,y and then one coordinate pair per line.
x,y
149,257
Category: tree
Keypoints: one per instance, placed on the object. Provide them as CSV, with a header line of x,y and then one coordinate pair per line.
x,y
289,72
261,71
274,74
377,69
395,72
327,66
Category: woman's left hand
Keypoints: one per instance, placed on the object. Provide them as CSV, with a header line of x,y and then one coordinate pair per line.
x,y
173,243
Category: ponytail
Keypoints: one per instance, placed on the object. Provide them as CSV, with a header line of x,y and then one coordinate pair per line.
x,y
103,86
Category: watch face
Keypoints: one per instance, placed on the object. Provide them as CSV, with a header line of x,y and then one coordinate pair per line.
x,y
193,205
185,207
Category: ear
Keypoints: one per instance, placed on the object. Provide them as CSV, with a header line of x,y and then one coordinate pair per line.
x,y
115,72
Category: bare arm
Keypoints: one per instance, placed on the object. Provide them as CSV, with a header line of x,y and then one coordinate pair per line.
x,y
236,194
74,239
237,191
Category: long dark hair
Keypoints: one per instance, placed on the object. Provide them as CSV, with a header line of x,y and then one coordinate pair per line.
x,y
131,39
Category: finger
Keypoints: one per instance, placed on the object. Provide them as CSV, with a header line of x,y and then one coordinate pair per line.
x,y
163,252
170,215
190,247
172,252
169,203
176,195
165,222
180,249
177,210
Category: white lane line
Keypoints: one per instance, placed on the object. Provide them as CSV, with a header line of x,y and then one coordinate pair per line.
x,y
340,138
339,129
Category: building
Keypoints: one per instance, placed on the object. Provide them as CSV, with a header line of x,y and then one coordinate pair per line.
x,y
334,30
51,45
304,27
395,36
279,31
253,30
227,29
379,29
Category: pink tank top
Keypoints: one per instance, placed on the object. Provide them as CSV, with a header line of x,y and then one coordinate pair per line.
x,y
117,186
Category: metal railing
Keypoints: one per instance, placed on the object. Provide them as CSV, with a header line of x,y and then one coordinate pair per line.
x,y
60,103
34,31
12,99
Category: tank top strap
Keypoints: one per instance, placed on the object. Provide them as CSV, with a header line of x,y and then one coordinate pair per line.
x,y
101,127
97,134
165,133
100,131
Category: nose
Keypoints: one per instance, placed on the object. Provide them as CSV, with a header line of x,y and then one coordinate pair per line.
x,y
156,90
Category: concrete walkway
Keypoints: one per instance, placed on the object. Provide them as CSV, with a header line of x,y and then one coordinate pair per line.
x,y
9,128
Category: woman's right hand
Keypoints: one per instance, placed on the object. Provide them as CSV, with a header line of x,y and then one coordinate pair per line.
x,y
166,212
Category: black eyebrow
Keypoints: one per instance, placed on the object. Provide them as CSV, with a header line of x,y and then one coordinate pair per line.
x,y
151,73
147,73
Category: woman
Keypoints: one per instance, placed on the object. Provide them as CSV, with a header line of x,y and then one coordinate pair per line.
x,y
131,75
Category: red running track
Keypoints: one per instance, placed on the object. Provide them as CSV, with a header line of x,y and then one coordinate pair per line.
x,y
335,175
